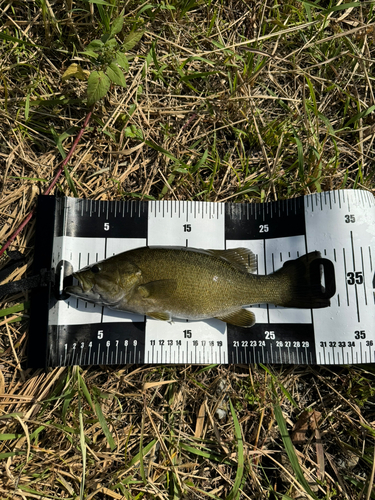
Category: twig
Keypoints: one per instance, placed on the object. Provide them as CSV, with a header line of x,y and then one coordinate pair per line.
x,y
51,186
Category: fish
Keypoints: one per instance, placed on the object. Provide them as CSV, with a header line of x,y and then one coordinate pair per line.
x,y
197,284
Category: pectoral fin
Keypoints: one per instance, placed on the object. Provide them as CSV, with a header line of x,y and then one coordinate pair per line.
x,y
163,316
242,317
160,289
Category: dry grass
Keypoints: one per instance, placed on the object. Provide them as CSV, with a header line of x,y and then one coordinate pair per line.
x,y
295,118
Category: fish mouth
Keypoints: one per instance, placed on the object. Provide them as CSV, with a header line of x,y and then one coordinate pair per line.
x,y
83,290
74,290
79,292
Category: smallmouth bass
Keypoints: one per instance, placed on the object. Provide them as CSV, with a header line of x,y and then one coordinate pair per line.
x,y
189,283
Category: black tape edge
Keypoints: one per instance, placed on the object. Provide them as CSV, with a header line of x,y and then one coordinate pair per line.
x,y
40,296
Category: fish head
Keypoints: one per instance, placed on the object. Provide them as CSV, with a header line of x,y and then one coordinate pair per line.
x,y
106,283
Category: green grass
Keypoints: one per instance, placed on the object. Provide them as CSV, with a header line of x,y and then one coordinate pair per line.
x,y
225,100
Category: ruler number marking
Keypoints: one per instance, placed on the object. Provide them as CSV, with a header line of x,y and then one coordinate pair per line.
x,y
354,278
360,334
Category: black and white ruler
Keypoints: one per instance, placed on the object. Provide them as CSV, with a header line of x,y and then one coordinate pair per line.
x,y
72,233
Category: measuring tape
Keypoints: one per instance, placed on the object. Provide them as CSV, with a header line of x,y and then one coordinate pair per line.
x,y
73,233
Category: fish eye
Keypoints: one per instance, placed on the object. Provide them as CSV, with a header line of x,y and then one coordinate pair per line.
x,y
95,269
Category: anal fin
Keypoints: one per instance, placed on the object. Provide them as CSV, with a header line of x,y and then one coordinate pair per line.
x,y
241,317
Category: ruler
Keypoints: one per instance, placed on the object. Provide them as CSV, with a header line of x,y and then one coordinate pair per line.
x,y
73,233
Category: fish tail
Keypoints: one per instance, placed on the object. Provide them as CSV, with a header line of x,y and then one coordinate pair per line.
x,y
310,281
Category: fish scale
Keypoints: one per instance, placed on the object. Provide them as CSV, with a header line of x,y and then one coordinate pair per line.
x,y
73,233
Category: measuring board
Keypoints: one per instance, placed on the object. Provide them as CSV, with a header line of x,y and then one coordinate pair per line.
x,y
73,233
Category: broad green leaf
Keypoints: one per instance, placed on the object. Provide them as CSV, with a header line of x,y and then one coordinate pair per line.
x,y
97,86
116,75
75,71
131,40
95,45
90,53
111,43
122,60
117,25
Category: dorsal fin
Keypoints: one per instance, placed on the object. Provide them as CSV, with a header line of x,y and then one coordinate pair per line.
x,y
241,258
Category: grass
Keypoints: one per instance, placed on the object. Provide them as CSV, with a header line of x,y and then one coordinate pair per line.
x,y
225,100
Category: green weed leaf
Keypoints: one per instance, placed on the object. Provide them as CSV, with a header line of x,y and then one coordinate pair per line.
x,y
133,132
131,40
75,71
111,43
95,45
117,25
115,74
122,60
97,86
89,53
